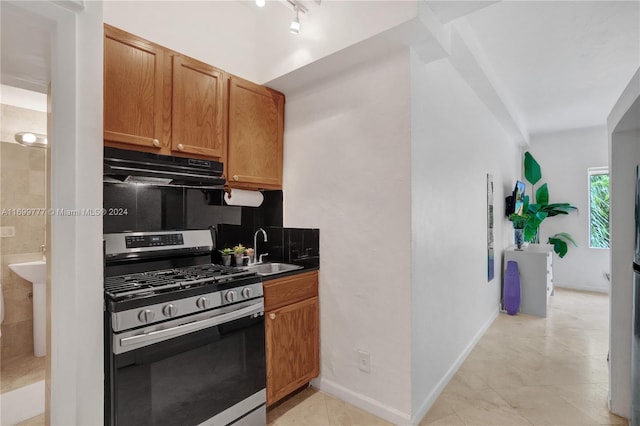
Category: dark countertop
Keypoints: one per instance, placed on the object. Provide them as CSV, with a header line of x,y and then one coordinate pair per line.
x,y
307,268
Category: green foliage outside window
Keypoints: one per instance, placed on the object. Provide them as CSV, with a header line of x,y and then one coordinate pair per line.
x,y
599,211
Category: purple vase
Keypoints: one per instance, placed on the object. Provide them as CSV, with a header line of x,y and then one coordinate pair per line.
x,y
512,288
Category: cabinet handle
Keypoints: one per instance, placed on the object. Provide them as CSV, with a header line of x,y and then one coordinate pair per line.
x,y
272,316
235,177
180,147
155,143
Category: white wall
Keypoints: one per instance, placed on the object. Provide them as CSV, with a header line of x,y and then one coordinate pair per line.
x,y
220,33
347,172
87,256
455,142
624,159
624,153
326,29
564,158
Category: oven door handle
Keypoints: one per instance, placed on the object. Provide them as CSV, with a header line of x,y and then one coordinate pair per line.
x,y
190,327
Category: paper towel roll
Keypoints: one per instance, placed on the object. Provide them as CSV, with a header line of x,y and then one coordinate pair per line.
x,y
241,197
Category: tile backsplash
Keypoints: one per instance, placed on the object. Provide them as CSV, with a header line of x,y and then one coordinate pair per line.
x,y
290,245
302,246
155,208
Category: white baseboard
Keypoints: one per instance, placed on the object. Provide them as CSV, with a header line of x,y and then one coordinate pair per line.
x,y
363,402
597,289
391,414
22,404
435,393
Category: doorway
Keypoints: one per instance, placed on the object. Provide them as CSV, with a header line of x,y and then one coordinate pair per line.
x,y
26,73
73,378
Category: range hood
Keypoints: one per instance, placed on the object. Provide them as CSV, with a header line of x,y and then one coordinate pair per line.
x,y
124,166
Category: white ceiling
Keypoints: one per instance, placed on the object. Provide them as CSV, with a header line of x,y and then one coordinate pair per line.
x,y
25,49
28,99
563,64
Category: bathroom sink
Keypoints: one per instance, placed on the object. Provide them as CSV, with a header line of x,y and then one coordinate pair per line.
x,y
265,269
36,272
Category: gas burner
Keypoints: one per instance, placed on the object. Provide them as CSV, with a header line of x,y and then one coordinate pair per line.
x,y
176,275
135,284
153,282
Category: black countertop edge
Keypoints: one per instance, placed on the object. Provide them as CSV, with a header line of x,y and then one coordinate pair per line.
x,y
290,273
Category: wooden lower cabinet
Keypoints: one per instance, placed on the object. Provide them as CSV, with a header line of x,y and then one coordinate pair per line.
x,y
292,335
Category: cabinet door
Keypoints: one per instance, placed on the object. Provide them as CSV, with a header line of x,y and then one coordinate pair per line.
x,y
197,113
256,126
293,347
135,108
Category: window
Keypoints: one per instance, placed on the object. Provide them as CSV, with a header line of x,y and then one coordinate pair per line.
x,y
599,207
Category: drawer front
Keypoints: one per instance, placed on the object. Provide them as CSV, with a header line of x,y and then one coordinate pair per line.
x,y
281,292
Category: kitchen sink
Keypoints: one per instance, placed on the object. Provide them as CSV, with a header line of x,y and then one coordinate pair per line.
x,y
265,269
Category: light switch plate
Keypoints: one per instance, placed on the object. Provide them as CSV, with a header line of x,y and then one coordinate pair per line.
x,y
7,231
364,361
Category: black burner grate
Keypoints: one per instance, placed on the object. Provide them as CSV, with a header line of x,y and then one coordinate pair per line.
x,y
153,282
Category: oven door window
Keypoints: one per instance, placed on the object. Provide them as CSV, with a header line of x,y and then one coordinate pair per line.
x,y
191,378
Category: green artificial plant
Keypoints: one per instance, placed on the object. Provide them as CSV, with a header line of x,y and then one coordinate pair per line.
x,y
538,209
519,221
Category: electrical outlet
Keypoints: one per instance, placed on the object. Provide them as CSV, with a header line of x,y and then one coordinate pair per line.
x,y
8,231
364,361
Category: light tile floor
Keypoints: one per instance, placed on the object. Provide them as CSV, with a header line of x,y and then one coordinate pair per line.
x,y
19,372
535,371
22,371
314,408
34,421
524,371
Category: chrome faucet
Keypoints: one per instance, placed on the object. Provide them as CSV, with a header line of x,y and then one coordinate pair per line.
x,y
258,259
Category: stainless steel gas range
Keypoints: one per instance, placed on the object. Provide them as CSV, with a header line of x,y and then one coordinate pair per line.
x,y
184,339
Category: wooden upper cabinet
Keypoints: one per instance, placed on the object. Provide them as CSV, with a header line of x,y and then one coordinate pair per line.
x,y
136,107
256,127
197,109
157,100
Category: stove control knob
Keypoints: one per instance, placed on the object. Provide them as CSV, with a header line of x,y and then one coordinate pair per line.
x,y
203,302
247,292
170,310
146,316
231,296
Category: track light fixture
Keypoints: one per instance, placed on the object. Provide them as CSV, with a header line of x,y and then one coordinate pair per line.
x,y
297,8
294,28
